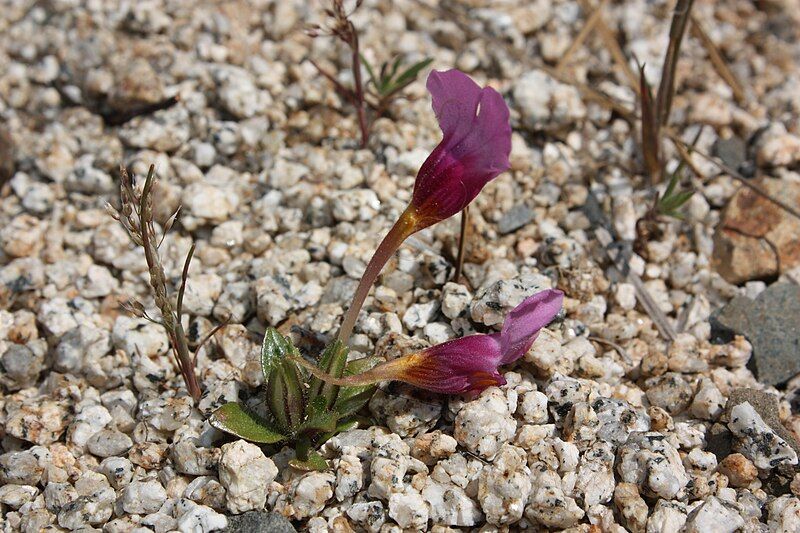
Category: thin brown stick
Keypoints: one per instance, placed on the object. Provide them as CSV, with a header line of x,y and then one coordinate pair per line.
x,y
341,89
686,156
607,35
666,88
651,134
620,350
462,244
184,279
718,61
587,29
208,337
735,175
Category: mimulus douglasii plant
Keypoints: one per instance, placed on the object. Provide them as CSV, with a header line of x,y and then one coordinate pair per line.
x,y
476,141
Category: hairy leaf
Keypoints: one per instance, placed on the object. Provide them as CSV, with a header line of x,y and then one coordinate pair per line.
x,y
332,362
285,395
235,419
314,461
319,421
351,399
273,350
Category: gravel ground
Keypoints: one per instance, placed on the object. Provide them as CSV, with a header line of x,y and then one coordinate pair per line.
x,y
607,424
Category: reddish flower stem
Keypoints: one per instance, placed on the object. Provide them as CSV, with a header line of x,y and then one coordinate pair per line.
x,y
388,246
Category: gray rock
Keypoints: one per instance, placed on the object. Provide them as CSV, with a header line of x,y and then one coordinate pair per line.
x,y
771,323
545,103
21,366
515,218
258,521
118,471
143,497
23,467
733,151
718,441
109,443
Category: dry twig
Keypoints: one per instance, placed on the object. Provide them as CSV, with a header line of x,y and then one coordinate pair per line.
x,y
733,174
666,89
610,42
720,65
462,244
587,29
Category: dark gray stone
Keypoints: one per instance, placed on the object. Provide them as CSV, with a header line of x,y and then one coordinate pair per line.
x,y
732,151
719,441
771,323
515,218
259,522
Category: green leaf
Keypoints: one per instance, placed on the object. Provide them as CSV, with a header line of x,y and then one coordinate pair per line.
x,y
371,73
673,182
282,380
323,423
285,395
411,73
316,406
314,462
347,425
356,398
273,350
233,418
669,206
318,420
395,65
683,197
332,361
341,426
352,399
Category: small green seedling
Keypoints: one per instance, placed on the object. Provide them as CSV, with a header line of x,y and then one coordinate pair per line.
x,y
388,83
669,203
303,410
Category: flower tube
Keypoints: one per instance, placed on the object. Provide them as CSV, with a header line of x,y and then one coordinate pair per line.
x,y
476,142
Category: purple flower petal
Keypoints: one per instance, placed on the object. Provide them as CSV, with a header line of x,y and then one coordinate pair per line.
x,y
456,366
523,323
474,149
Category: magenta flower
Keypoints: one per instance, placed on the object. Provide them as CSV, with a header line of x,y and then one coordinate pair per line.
x,y
474,150
466,364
